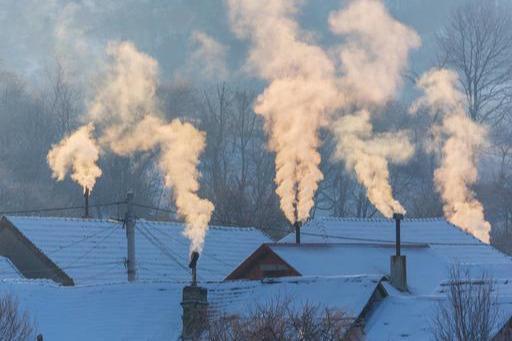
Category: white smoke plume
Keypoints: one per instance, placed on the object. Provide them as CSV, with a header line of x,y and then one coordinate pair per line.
x,y
301,91
78,154
207,59
460,139
373,58
368,154
125,110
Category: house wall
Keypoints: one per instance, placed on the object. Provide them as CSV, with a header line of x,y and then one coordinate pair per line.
x,y
266,265
31,262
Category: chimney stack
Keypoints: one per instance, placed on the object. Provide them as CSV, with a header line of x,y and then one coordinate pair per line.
x,y
297,226
194,305
86,198
398,262
193,265
130,237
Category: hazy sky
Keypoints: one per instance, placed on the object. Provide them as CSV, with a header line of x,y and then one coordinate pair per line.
x,y
34,32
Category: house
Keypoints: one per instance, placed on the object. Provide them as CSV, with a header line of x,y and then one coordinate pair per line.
x,y
352,247
76,251
342,264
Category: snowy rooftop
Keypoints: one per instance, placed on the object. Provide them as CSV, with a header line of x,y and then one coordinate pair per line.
x,y
8,270
356,230
234,296
364,246
93,250
152,311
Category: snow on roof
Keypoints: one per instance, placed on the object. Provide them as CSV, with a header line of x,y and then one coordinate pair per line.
x,y
360,230
404,317
123,311
94,250
8,270
355,246
349,294
425,269
152,311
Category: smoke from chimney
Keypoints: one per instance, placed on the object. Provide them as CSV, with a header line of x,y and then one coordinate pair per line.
x,y
126,113
457,140
301,90
78,154
373,57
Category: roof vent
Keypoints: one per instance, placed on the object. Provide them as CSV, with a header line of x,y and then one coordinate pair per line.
x,y
398,262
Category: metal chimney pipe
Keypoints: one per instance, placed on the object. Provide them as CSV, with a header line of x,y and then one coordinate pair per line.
x,y
297,226
130,237
193,265
398,217
86,197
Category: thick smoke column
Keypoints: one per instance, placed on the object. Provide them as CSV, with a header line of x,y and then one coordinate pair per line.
x,y
78,154
126,113
301,91
459,139
126,109
367,154
373,57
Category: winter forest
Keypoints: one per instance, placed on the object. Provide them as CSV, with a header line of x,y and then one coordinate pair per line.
x,y
260,116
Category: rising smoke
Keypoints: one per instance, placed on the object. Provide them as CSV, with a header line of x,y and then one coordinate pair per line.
x,y
126,113
457,140
373,57
78,154
301,91
308,89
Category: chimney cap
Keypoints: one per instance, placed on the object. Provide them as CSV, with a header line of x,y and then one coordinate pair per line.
x,y
193,259
398,216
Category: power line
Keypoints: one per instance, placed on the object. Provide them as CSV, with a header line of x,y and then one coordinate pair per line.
x,y
37,210
155,208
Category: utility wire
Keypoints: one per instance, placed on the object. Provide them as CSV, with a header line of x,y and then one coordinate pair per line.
x,y
156,242
59,208
155,208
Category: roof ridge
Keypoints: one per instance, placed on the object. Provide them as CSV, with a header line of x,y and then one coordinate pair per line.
x,y
35,217
379,219
217,227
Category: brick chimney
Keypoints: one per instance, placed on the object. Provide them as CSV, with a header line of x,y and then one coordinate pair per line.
x,y
194,305
130,238
398,262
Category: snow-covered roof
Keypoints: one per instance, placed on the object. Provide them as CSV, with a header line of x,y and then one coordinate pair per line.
x,y
425,269
152,311
364,246
94,250
8,270
360,230
349,294
406,317
122,311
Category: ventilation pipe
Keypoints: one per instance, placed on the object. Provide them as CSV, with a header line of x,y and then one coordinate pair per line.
x,y
194,305
130,237
398,262
87,193
297,226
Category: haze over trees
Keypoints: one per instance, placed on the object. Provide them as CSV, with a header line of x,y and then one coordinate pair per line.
x,y
37,109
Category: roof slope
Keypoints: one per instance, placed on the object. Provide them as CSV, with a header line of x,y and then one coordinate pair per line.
x,y
358,230
347,293
127,311
93,250
363,246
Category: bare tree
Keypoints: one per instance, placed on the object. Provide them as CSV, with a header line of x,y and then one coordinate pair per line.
x,y
279,320
237,168
470,311
15,325
477,43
